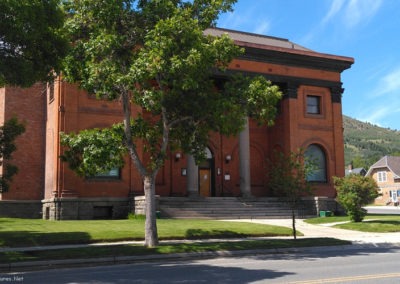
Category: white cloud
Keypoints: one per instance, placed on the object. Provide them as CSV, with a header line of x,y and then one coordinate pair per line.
x,y
388,85
333,10
358,11
262,27
247,18
382,115
375,115
232,20
351,12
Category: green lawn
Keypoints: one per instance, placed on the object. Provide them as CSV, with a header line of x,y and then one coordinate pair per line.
x,y
34,232
37,232
371,223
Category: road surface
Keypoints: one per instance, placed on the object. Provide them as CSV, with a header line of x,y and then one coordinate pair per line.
x,y
324,265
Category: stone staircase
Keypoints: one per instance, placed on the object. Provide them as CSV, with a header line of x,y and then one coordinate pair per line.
x,y
230,208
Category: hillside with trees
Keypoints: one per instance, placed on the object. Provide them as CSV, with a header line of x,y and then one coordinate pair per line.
x,y
365,143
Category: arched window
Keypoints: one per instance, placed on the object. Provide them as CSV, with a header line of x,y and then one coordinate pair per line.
x,y
316,156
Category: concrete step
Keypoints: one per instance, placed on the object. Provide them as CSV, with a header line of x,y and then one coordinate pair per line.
x,y
227,208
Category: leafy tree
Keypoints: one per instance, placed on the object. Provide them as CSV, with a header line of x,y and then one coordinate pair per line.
x,y
155,55
354,192
11,129
31,45
287,177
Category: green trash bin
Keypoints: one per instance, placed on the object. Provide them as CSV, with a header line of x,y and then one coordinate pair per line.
x,y
325,213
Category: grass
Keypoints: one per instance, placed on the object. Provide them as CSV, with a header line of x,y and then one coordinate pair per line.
x,y
373,223
136,250
37,232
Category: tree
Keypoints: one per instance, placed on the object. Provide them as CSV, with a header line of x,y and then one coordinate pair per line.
x,y
287,177
154,54
354,192
11,129
31,44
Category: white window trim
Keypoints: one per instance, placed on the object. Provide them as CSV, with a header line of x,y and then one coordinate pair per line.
x,y
382,176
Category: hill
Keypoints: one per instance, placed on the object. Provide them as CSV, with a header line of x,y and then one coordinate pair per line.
x,y
365,143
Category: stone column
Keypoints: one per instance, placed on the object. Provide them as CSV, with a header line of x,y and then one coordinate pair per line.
x,y
244,160
192,177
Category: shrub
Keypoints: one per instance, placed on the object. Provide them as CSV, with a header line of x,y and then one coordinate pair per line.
x,y
354,192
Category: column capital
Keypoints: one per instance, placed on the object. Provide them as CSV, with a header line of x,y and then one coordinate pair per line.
x,y
336,93
290,91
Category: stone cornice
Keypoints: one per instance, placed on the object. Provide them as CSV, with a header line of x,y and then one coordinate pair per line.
x,y
281,79
289,85
298,58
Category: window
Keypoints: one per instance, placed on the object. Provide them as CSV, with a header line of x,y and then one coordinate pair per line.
x,y
313,104
382,177
111,174
315,155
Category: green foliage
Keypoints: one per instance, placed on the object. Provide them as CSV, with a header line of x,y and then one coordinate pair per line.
x,y
287,177
132,216
94,151
155,55
31,43
11,129
366,143
354,192
157,51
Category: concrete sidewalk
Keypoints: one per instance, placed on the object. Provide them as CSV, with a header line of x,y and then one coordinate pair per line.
x,y
326,230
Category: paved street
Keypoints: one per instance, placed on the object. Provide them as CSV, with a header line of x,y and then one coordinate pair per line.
x,y
395,210
327,265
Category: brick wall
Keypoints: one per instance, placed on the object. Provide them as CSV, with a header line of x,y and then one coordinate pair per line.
x,y
29,106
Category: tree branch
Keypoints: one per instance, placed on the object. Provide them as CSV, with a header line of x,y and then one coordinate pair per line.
x,y
128,133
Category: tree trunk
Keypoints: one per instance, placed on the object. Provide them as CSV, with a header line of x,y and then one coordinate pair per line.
x,y
294,224
151,236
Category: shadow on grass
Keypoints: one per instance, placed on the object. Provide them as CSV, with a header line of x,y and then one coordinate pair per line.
x,y
32,238
206,234
383,222
162,249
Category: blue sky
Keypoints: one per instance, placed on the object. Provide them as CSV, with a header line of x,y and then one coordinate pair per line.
x,y
367,30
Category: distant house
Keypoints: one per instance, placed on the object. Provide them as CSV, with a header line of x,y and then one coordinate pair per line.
x,y
386,172
357,171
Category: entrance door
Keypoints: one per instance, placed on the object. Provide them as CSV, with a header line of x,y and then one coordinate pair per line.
x,y
205,182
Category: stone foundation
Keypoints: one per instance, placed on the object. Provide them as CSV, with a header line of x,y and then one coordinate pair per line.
x,y
321,203
140,204
85,208
31,209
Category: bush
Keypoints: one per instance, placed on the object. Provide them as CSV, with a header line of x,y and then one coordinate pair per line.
x,y
354,192
133,216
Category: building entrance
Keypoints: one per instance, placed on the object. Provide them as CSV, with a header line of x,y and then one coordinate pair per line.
x,y
205,182
206,176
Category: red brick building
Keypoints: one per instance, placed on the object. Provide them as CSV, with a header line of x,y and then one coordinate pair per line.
x,y
310,117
